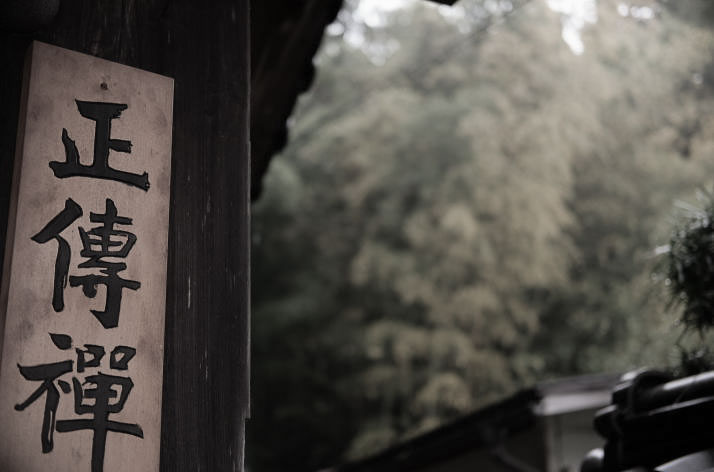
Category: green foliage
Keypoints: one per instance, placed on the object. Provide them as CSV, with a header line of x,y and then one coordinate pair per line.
x,y
463,211
690,265
686,268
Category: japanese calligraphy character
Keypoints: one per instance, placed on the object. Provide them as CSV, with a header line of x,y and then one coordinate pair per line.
x,y
99,395
52,230
106,242
102,114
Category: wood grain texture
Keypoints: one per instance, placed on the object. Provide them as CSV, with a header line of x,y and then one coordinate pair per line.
x,y
204,46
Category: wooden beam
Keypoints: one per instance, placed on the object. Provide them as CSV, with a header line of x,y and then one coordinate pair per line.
x,y
286,37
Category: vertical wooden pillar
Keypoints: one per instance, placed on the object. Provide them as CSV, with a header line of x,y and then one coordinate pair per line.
x,y
204,46
206,387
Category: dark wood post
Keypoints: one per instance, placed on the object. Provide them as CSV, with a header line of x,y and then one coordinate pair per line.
x,y
205,47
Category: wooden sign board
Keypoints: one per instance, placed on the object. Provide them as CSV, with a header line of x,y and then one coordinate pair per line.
x,y
84,282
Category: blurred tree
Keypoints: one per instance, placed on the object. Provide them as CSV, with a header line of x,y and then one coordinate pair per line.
x,y
468,205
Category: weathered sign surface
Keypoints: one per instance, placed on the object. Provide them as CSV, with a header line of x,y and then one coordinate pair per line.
x,y
84,282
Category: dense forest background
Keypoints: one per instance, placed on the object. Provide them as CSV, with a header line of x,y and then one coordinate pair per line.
x,y
471,201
